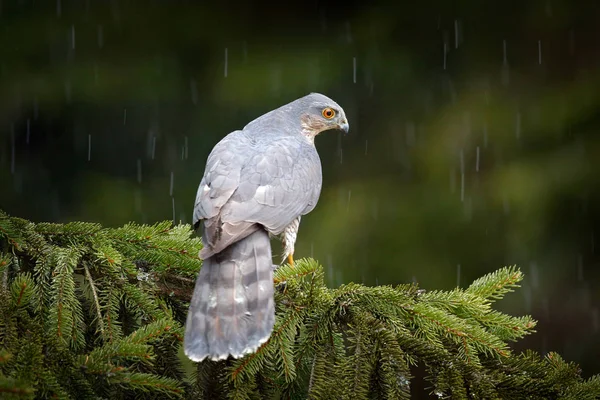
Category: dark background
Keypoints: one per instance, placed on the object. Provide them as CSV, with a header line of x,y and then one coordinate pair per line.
x,y
473,140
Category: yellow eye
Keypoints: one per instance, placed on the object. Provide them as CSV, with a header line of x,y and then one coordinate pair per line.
x,y
328,113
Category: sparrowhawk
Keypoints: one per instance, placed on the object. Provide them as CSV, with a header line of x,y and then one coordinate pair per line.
x,y
258,181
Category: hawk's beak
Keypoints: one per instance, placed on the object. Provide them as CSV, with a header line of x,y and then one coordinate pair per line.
x,y
344,126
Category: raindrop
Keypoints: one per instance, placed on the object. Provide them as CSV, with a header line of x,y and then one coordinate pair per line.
x,y
226,61
354,69
58,8
124,116
458,275
89,147
12,149
477,159
194,91
173,205
100,35
462,176
139,170
457,33
505,69
28,132
171,185
445,50
153,146
73,37
439,22
540,52
580,267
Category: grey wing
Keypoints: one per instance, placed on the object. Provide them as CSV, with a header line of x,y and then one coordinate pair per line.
x,y
221,176
221,179
279,183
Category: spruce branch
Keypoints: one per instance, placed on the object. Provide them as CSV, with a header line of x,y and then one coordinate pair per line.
x,y
94,312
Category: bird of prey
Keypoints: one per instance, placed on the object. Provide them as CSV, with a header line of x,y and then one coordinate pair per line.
x,y
258,182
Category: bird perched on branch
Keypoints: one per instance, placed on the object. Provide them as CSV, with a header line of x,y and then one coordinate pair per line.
x,y
258,181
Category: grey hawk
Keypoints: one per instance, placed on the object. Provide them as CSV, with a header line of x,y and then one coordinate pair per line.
x,y
258,181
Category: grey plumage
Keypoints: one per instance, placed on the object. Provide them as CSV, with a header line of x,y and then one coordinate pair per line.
x,y
258,181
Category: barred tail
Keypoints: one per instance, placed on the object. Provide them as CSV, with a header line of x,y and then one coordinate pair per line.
x,y
232,309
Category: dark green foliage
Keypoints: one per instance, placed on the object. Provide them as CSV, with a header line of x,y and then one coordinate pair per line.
x,y
91,312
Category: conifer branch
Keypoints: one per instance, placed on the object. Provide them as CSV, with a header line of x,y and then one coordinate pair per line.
x,y
92,312
96,302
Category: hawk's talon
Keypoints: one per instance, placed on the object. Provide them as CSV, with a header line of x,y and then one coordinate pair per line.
x,y
290,259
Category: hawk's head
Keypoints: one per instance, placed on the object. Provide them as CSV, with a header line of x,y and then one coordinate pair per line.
x,y
319,113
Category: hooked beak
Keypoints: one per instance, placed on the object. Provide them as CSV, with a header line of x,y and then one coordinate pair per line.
x,y
344,126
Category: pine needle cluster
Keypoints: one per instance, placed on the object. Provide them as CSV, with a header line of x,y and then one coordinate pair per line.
x,y
97,313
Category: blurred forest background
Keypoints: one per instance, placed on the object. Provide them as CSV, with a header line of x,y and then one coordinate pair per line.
x,y
473,137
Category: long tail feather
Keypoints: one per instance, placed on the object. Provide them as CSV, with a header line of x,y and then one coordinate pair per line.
x,y
232,311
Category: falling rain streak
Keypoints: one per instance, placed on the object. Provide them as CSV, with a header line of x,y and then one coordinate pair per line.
x,y
89,147
354,69
540,52
124,116
226,62
171,185
153,146
73,37
173,206
456,34
28,134
445,45
477,159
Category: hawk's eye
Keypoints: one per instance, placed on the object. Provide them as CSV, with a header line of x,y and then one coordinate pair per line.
x,y
328,113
